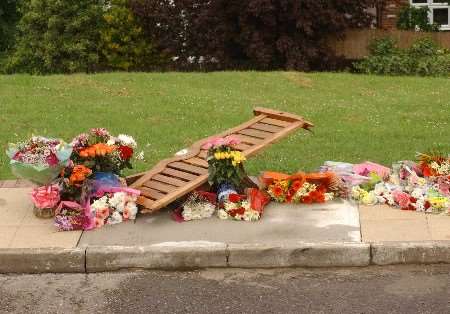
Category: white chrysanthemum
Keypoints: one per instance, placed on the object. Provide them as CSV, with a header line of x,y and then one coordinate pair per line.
x,y
115,218
100,204
118,201
380,189
132,209
127,140
417,193
369,198
111,141
222,214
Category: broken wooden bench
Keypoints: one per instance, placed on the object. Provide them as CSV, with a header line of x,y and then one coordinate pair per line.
x,y
173,178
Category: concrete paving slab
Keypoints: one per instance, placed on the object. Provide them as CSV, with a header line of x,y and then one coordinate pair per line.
x,y
384,212
7,234
439,227
395,230
14,205
44,236
333,222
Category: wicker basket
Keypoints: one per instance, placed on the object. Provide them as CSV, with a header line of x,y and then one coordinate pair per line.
x,y
44,213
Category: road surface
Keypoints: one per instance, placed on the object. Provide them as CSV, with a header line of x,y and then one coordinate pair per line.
x,y
405,289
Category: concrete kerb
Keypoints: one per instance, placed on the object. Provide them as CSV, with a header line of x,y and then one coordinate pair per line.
x,y
45,260
202,254
299,255
168,255
429,252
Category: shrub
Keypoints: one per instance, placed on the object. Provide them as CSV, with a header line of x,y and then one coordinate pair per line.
x,y
256,34
423,58
413,18
123,43
58,36
8,19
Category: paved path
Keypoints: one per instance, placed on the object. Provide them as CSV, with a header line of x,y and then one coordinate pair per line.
x,y
338,221
405,289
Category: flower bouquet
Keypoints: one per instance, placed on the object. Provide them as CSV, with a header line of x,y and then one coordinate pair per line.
x,y
70,216
99,151
247,207
301,187
226,172
198,205
114,207
39,159
434,164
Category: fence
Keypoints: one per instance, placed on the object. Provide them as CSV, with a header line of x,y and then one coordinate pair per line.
x,y
354,45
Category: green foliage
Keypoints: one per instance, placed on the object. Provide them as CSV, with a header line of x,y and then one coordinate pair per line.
x,y
123,44
8,19
412,18
423,58
226,169
57,36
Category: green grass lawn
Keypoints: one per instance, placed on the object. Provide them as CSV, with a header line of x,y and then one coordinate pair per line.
x,y
356,117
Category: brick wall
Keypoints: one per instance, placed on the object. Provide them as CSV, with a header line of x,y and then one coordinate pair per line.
x,y
389,12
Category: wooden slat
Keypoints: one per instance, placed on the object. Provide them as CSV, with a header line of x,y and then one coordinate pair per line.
x,y
277,136
150,193
182,191
275,122
242,146
168,180
248,139
197,162
146,202
256,133
162,187
203,154
179,174
266,127
186,167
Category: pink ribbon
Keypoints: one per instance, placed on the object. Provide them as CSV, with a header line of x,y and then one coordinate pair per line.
x,y
46,196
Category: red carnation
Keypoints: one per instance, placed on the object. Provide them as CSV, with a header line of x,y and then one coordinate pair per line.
x,y
426,171
307,199
296,185
240,211
234,198
125,152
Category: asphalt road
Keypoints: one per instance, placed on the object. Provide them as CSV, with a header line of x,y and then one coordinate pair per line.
x,y
406,289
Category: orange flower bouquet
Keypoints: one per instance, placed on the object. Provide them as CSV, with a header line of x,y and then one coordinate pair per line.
x,y
300,187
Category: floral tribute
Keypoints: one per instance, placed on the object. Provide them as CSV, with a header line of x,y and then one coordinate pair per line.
x,y
301,187
39,159
247,207
225,163
423,186
115,207
80,181
198,205
434,164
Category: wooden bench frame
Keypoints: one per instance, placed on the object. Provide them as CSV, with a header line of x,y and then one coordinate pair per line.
x,y
254,132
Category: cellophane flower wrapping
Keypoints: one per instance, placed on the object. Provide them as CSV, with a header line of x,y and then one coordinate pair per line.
x,y
249,207
70,216
39,159
423,186
198,205
46,196
301,187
